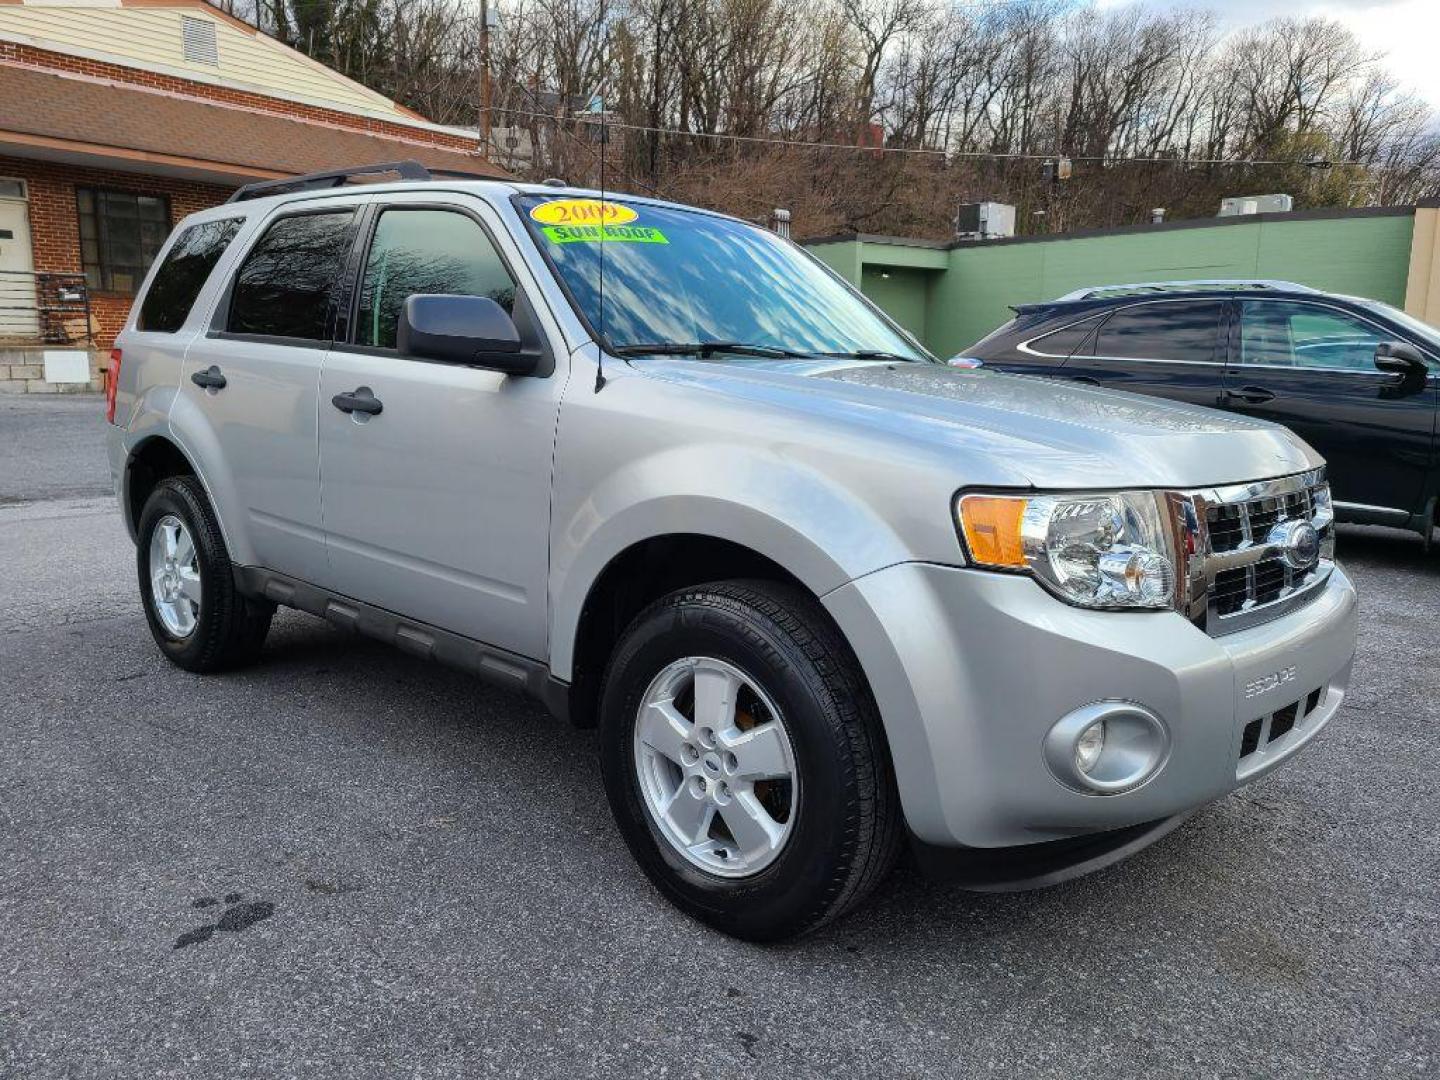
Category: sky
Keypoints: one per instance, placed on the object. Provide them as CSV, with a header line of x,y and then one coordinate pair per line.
x,y
1408,31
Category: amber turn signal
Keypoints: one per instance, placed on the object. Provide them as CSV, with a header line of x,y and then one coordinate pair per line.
x,y
991,525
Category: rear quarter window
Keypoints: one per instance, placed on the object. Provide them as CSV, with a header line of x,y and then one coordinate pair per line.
x,y
1062,343
183,274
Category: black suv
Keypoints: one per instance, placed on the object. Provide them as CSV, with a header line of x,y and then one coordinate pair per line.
x,y
1357,379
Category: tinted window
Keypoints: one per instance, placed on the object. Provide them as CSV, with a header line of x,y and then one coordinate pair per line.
x,y
285,286
1181,330
1066,341
1279,334
181,276
425,251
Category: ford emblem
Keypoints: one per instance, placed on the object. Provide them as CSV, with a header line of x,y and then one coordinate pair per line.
x,y
1297,543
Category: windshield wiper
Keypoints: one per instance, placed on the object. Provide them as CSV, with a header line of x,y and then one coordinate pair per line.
x,y
702,349
869,354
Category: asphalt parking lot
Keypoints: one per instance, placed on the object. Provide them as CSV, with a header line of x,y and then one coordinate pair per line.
x,y
346,862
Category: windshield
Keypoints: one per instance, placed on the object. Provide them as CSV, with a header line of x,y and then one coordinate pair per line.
x,y
678,278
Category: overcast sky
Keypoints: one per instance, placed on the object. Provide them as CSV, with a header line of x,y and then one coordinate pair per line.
x,y
1407,30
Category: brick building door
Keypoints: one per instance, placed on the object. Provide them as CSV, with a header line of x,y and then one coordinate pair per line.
x,y
18,317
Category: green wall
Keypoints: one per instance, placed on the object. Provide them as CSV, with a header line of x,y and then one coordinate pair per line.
x,y
961,294
843,258
903,293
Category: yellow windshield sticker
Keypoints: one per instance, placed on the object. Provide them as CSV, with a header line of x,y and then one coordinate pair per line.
x,y
610,234
582,212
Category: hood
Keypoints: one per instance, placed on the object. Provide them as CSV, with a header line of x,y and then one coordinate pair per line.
x,y
1027,431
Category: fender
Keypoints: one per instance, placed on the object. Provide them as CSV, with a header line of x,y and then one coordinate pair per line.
x,y
191,430
779,508
146,418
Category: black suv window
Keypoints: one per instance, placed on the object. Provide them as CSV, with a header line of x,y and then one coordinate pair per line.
x,y
1183,330
285,286
421,250
183,274
1281,334
1063,342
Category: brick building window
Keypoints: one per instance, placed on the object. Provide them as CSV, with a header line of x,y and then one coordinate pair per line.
x,y
120,235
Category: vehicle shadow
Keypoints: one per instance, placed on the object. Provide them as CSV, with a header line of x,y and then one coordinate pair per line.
x,y
1379,546
460,722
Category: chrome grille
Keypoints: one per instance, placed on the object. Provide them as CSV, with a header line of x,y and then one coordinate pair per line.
x,y
1233,573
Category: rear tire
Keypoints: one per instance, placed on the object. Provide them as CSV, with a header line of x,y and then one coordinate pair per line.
x,y
198,618
830,834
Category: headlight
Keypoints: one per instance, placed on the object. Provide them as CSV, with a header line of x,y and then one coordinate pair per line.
x,y
1323,513
1097,551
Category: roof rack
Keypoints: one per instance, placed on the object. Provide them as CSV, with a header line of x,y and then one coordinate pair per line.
x,y
1145,288
406,170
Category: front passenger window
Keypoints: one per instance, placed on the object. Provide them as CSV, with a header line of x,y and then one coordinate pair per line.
x,y
425,251
1287,334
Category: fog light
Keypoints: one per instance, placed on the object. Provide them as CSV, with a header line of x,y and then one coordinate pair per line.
x,y
1107,747
1088,747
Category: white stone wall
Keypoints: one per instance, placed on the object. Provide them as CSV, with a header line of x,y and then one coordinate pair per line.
x,y
22,371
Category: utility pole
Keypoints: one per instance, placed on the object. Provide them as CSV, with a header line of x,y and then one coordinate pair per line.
x,y
485,76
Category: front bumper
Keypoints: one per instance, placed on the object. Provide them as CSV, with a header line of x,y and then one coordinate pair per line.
x,y
971,669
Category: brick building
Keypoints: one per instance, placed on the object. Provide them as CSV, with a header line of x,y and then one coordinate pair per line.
x,y
118,118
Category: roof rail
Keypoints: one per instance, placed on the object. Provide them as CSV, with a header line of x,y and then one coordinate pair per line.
x,y
1143,288
406,170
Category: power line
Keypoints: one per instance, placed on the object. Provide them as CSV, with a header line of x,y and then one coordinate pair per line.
x,y
598,156
807,144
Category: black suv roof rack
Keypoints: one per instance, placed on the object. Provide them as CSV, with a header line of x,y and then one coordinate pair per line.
x,y
406,170
1144,288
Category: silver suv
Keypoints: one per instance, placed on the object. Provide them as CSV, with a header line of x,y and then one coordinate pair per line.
x,y
823,595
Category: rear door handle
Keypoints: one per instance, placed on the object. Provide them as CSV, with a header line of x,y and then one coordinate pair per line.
x,y
1251,395
361,400
211,378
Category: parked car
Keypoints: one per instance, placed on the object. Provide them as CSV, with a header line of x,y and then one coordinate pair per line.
x,y
1356,379
663,471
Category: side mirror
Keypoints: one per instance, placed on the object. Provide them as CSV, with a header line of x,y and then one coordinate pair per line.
x,y
472,330
1400,358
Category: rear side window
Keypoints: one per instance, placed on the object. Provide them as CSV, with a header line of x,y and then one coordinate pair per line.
x,y
286,285
425,251
1182,330
183,274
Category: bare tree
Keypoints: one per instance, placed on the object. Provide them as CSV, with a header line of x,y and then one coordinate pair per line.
x,y
733,103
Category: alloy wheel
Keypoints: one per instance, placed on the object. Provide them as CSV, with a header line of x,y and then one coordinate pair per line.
x,y
716,767
174,576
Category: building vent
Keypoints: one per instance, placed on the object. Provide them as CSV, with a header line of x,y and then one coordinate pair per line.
x,y
197,38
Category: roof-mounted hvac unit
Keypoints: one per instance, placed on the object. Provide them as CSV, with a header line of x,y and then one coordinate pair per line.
x,y
1240,205
984,221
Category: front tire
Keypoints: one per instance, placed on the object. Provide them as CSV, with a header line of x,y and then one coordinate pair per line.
x,y
744,760
198,618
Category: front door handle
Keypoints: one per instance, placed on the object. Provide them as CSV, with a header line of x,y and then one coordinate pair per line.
x,y
1251,395
211,378
361,400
